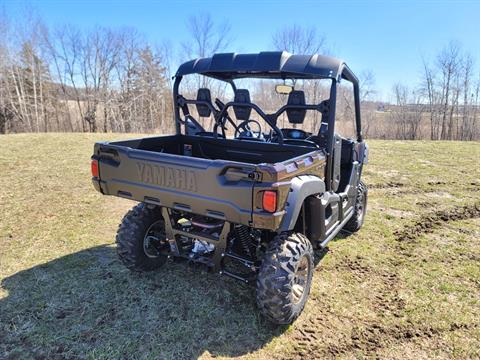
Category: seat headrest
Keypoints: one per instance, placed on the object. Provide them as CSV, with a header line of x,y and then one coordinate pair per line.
x,y
202,109
296,116
242,112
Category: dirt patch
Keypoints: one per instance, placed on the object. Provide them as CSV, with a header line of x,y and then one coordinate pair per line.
x,y
393,189
430,222
354,266
425,204
438,194
473,186
387,185
307,340
366,337
395,213
437,183
370,337
386,300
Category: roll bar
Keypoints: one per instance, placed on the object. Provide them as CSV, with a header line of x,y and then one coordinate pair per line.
x,y
271,119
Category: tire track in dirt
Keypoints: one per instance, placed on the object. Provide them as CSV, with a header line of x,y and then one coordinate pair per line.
x,y
387,185
369,337
373,337
430,222
386,300
392,188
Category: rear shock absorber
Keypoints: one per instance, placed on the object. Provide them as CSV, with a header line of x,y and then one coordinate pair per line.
x,y
243,237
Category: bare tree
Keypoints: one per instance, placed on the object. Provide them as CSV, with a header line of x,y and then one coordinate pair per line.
x,y
407,113
367,93
100,50
5,111
68,51
429,92
468,98
474,130
206,39
449,61
367,85
299,40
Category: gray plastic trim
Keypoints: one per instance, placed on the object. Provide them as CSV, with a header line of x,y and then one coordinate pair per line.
x,y
301,187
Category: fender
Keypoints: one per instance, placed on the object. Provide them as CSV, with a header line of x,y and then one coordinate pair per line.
x,y
301,187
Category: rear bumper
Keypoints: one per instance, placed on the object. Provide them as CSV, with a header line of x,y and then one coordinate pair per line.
x,y
267,221
96,184
201,205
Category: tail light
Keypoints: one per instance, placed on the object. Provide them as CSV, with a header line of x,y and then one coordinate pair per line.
x,y
94,167
269,201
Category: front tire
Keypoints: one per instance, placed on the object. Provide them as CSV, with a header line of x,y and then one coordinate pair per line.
x,y
141,239
360,209
285,277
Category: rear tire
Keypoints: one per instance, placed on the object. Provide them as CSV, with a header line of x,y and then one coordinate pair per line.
x,y
137,236
285,277
360,209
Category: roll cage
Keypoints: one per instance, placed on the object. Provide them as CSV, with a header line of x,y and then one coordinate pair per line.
x,y
270,65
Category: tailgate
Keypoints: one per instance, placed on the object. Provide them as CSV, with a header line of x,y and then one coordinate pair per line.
x,y
215,188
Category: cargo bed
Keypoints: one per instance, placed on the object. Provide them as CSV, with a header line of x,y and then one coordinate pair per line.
x,y
206,176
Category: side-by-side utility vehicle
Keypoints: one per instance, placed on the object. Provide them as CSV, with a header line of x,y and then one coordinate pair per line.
x,y
247,202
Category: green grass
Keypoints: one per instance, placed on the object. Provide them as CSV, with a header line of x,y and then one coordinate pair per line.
x,y
406,286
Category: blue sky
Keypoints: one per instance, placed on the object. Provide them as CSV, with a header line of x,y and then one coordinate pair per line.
x,y
386,37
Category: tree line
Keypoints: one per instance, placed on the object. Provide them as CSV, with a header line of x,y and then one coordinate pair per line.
x,y
446,104
112,80
67,79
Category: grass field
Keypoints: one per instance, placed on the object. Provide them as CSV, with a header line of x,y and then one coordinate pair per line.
x,y
406,286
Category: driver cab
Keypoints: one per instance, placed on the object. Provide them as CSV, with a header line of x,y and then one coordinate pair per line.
x,y
243,127
247,127
271,119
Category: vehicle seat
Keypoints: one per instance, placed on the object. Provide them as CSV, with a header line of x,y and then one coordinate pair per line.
x,y
203,109
242,112
296,116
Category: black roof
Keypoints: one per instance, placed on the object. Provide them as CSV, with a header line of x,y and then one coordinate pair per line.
x,y
267,64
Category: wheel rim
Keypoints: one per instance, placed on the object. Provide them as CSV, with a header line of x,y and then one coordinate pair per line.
x,y
300,279
360,208
154,241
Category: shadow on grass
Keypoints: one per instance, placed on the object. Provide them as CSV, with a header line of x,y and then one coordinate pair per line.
x,y
86,305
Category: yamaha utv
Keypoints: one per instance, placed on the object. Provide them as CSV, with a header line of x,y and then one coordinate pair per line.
x,y
246,200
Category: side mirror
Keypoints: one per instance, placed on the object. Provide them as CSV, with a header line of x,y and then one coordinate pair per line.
x,y
283,89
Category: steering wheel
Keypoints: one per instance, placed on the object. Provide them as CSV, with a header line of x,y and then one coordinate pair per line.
x,y
247,130
301,142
